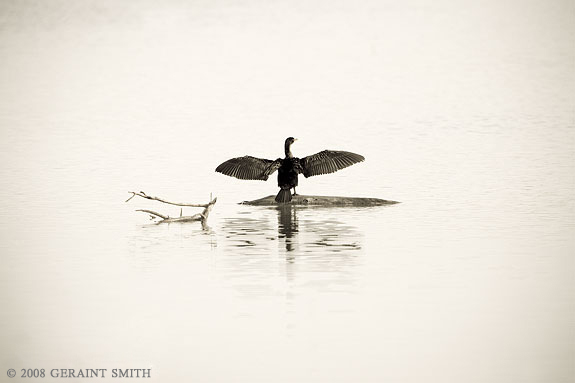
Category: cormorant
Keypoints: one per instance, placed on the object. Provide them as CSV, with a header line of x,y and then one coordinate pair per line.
x,y
252,168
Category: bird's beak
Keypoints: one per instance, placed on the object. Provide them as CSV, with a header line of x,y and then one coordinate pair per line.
x,y
295,139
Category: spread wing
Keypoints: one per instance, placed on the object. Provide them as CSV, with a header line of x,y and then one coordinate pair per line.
x,y
249,168
328,161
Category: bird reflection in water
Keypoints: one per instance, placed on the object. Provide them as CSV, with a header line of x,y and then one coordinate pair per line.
x,y
318,233
300,231
287,224
318,249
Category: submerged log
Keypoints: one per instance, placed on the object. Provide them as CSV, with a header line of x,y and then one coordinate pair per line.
x,y
316,200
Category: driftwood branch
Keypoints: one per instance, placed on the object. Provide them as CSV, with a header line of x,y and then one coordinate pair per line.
x,y
144,195
203,216
153,213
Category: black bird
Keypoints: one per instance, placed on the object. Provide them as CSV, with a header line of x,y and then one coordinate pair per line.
x,y
252,168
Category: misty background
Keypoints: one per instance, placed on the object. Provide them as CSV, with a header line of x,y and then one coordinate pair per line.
x,y
464,111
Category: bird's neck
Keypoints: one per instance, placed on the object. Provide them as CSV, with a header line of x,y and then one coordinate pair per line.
x,y
288,151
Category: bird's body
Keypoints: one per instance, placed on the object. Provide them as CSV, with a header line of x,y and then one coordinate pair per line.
x,y
252,168
287,178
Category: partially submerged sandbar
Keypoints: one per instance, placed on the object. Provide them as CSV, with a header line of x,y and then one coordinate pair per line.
x,y
316,200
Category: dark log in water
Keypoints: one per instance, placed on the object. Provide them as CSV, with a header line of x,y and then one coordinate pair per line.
x,y
316,200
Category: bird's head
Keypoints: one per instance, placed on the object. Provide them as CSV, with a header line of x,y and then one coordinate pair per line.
x,y
289,141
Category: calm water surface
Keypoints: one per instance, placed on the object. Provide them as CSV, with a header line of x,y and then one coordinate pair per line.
x,y
463,110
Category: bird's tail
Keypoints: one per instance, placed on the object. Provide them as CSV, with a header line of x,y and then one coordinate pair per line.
x,y
283,196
